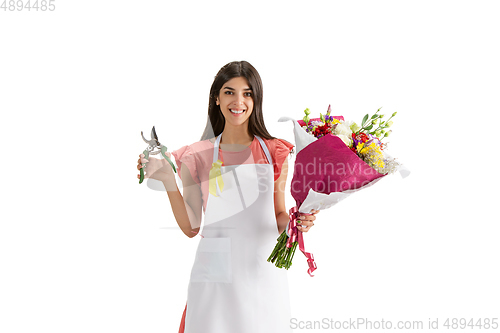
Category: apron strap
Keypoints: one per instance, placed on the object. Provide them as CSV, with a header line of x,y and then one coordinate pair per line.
x,y
216,148
215,178
266,151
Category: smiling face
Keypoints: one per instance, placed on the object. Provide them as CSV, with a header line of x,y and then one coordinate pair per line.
x,y
236,101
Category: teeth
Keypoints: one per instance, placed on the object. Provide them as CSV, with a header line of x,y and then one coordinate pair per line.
x,y
234,111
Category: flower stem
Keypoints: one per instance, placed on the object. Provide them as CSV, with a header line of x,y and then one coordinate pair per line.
x,y
282,255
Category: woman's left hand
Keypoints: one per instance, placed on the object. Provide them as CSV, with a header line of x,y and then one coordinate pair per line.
x,y
306,221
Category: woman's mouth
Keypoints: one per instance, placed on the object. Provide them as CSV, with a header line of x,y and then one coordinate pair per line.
x,y
237,112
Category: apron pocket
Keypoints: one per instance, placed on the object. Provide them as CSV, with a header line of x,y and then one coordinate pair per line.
x,y
213,261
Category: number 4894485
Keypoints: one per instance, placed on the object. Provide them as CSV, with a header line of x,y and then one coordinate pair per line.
x,y
28,5
461,323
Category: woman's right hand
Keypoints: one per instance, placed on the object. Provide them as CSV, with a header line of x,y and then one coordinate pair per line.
x,y
156,168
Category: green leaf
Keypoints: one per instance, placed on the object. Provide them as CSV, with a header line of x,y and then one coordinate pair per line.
x,y
364,120
369,127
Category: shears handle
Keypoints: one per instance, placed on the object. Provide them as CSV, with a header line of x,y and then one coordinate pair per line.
x,y
163,151
141,170
146,156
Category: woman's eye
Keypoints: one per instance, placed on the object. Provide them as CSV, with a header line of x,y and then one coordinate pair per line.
x,y
247,94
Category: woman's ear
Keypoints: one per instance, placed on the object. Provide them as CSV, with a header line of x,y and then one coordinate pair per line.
x,y
217,101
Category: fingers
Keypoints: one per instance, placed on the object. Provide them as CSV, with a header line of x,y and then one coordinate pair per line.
x,y
153,168
307,217
142,160
140,163
306,222
305,226
145,176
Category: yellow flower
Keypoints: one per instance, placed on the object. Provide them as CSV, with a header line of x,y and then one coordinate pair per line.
x,y
360,146
371,154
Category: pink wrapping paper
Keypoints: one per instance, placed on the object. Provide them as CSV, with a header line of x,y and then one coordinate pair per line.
x,y
327,165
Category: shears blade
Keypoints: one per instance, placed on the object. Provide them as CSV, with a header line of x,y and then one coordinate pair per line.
x,y
154,136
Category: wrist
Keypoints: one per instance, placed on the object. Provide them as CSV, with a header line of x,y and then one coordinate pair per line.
x,y
169,183
282,221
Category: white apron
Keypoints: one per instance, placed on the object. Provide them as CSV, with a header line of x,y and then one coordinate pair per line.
x,y
233,288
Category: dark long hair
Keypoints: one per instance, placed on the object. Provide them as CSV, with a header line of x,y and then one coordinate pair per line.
x,y
216,122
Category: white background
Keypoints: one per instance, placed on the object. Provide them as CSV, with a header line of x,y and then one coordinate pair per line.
x,y
84,248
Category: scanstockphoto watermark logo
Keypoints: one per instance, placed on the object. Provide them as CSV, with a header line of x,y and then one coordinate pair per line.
x,y
324,166
480,323
239,166
355,324
324,177
27,5
317,174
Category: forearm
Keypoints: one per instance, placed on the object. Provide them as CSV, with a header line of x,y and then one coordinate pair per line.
x,y
282,220
183,213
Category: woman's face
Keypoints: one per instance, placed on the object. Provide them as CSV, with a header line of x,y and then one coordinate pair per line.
x,y
236,101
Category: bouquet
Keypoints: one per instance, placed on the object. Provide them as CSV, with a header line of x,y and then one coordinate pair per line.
x,y
334,159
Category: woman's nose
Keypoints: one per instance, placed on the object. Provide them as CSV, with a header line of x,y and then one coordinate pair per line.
x,y
240,100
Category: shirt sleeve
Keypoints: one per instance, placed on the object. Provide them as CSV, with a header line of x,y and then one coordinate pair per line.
x,y
186,155
281,151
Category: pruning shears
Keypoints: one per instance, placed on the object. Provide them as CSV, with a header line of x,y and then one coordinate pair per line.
x,y
150,150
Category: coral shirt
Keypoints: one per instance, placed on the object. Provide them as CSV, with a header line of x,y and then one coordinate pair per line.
x,y
198,157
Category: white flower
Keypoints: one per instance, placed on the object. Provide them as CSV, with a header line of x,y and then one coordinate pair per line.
x,y
342,129
390,166
346,139
352,125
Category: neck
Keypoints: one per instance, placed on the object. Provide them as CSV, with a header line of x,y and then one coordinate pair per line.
x,y
232,135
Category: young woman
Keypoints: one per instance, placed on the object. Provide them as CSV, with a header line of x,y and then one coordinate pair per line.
x,y
236,175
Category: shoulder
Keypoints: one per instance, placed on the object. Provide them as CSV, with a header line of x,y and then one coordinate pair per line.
x,y
194,148
193,153
279,150
279,146
200,145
